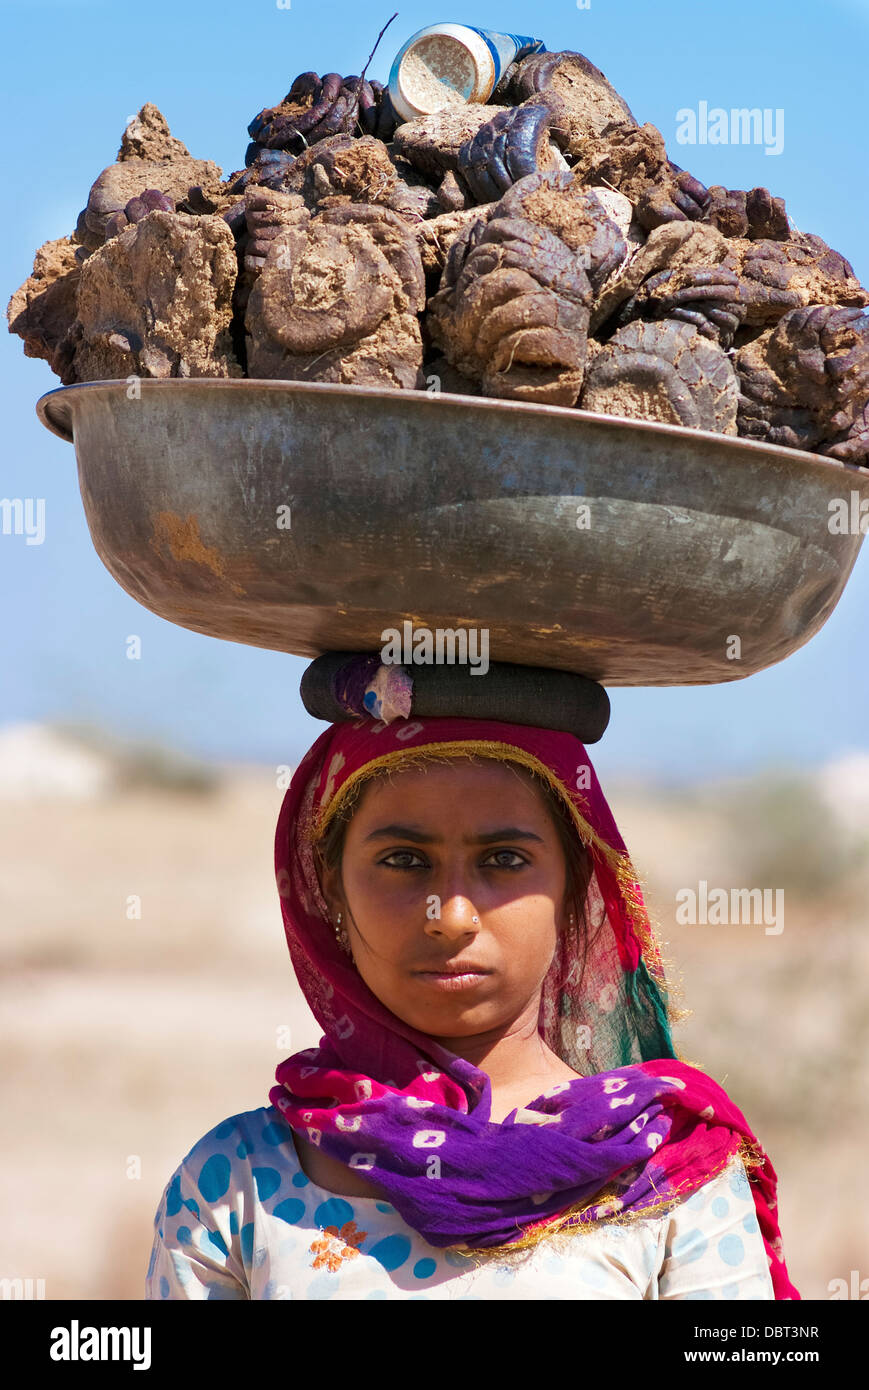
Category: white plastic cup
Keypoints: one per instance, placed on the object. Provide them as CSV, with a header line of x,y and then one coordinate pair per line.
x,y
451,65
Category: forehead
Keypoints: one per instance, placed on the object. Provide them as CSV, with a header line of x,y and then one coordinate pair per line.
x,y
459,785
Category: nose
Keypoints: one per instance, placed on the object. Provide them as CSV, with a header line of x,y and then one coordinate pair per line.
x,y
454,915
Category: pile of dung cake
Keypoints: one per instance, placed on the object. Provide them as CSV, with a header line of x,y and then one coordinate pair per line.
x,y
539,248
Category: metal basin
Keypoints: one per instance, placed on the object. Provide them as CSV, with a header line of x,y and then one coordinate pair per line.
x,y
700,558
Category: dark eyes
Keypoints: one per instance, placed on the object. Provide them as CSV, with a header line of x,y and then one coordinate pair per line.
x,y
406,854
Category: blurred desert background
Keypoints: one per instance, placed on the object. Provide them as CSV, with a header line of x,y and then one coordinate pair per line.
x,y
126,1037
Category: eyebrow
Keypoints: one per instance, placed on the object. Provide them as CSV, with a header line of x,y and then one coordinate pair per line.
x,y
407,832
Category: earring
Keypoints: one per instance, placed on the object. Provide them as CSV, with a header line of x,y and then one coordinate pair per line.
x,y
341,935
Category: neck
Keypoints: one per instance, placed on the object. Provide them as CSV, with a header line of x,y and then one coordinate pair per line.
x,y
510,1059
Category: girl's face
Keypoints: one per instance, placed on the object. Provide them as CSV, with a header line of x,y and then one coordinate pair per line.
x,y
427,852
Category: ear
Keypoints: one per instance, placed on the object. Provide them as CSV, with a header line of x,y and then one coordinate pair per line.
x,y
330,884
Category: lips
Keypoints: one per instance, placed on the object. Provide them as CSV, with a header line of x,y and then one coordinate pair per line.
x,y
468,968
453,978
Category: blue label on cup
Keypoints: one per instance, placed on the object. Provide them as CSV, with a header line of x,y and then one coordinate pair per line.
x,y
506,48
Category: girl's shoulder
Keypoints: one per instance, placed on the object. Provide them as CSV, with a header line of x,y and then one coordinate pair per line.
x,y
241,1149
727,1192
712,1242
265,1124
729,1184
205,1222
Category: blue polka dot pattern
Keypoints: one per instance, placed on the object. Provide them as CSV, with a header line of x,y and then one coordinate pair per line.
x,y
731,1250
333,1212
690,1246
593,1275
424,1269
719,1206
214,1178
246,1242
267,1180
739,1184
696,1202
276,1133
291,1210
324,1286
300,1179
215,1291
213,1243
391,1252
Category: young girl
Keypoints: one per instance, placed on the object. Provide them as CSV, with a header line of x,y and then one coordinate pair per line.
x,y
496,1109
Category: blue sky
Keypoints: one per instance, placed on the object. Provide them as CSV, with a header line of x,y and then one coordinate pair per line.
x,y
79,68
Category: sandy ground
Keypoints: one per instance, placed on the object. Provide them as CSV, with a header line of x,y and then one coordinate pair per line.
x,y
125,1038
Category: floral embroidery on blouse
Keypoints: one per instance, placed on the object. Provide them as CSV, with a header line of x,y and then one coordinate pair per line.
x,y
335,1246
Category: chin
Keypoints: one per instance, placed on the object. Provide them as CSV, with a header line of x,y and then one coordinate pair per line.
x,y
446,1016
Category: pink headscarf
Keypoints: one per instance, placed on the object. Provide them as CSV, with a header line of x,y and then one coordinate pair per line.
x,y
637,1121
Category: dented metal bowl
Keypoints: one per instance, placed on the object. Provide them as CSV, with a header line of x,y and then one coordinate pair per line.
x,y
310,518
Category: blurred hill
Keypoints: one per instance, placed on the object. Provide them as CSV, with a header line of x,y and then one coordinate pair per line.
x,y
82,763
149,993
